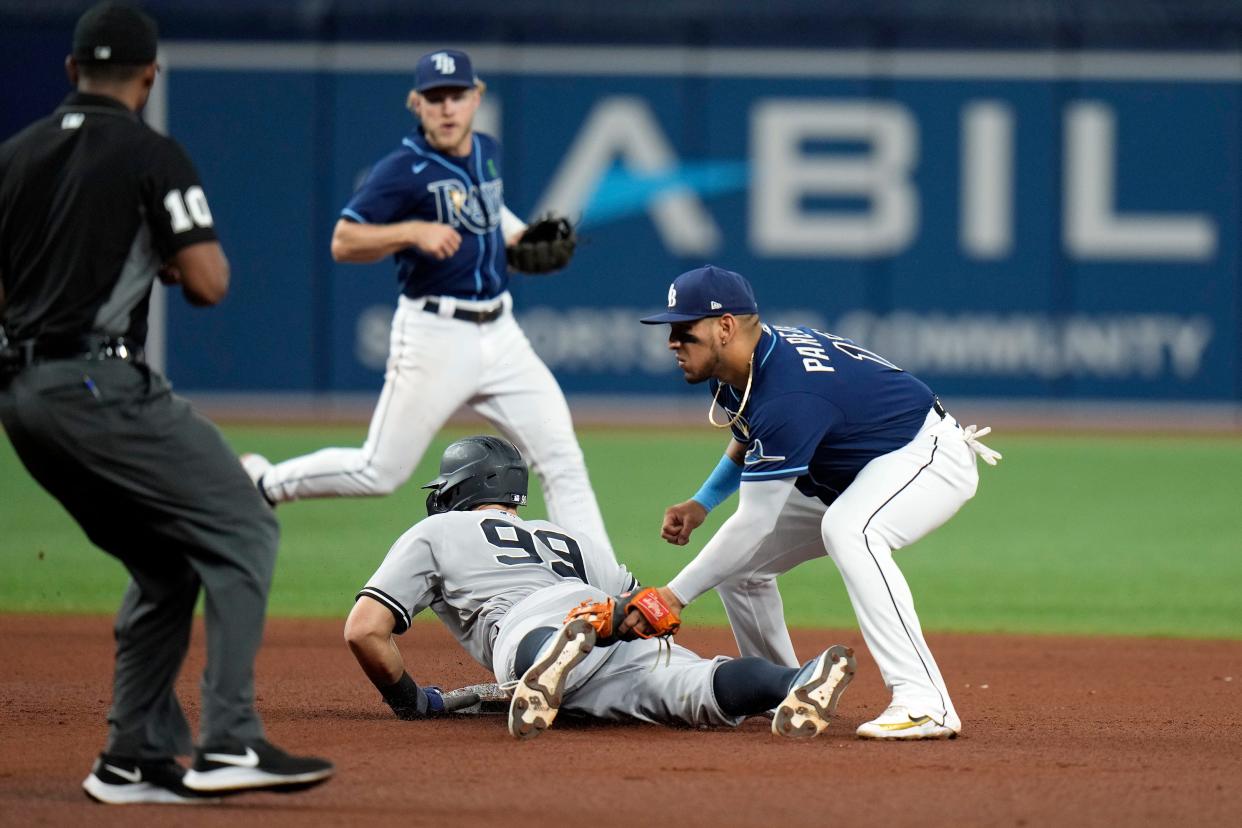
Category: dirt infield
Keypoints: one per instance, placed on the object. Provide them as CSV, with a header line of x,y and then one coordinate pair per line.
x,y
1058,731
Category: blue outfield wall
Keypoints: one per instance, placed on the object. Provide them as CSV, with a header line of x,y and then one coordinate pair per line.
x,y
1032,223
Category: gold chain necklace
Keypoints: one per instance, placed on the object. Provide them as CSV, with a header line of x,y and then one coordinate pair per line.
x,y
750,378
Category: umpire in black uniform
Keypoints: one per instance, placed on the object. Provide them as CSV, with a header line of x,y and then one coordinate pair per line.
x,y
93,206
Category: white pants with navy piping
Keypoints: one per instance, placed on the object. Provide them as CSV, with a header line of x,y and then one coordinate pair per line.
x,y
436,364
896,499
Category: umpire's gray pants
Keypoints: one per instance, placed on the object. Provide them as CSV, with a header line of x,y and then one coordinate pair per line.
x,y
154,484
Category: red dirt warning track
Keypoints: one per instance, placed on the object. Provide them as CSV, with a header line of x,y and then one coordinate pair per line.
x,y
1058,731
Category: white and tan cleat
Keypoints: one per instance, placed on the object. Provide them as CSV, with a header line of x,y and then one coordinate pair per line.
x,y
538,695
813,698
899,723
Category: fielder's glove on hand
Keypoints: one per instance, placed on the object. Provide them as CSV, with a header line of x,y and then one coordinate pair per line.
x,y
409,701
545,246
606,616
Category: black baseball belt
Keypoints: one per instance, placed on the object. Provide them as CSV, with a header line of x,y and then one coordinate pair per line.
x,y
938,407
26,352
475,316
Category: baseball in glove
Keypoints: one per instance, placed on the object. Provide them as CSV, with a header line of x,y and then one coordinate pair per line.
x,y
606,616
545,246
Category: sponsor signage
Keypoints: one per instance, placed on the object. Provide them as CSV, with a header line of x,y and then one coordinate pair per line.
x,y
1004,224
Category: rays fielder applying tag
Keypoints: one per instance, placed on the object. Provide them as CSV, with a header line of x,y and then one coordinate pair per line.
x,y
835,450
436,205
535,604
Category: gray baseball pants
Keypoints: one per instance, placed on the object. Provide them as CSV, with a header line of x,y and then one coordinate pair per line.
x,y
644,679
153,483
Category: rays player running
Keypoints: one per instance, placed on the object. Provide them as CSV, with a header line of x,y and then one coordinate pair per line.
x,y
503,586
835,450
436,205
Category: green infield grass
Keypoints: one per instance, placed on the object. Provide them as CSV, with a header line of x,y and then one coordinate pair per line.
x,y
1079,534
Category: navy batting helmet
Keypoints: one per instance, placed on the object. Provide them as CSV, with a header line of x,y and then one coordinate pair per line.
x,y
478,470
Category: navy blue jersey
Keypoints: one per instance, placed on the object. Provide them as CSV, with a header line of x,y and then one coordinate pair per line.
x,y
821,408
416,182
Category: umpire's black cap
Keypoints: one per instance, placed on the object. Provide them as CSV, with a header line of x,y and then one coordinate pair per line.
x,y
115,33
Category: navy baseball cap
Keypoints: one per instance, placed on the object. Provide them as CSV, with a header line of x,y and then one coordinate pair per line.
x,y
114,33
447,67
706,291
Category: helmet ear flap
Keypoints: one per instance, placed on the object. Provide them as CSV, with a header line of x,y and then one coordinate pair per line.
x,y
435,506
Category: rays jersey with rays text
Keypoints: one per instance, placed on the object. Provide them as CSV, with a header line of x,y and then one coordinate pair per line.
x,y
820,408
472,567
418,183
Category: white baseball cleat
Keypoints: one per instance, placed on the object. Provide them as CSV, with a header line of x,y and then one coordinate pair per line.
x,y
256,465
898,722
539,693
814,694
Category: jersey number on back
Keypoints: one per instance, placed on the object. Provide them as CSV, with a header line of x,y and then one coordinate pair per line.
x,y
507,536
856,351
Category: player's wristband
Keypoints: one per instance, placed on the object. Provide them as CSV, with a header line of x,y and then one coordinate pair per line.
x,y
405,698
722,482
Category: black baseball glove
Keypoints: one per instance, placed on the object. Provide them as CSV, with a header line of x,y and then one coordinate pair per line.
x,y
547,245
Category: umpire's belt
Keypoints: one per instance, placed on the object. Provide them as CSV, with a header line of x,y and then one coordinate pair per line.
x,y
476,316
26,352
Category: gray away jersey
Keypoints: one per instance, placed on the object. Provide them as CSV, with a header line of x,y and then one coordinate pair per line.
x,y
470,568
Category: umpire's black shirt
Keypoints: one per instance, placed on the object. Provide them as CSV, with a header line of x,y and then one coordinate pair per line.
x,y
92,203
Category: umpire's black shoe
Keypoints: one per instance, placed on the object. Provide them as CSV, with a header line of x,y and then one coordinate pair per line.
x,y
115,780
254,766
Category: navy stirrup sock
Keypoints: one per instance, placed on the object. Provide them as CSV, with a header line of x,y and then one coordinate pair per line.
x,y
746,686
529,647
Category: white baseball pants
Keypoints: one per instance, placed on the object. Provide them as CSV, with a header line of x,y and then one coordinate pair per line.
x,y
896,499
436,364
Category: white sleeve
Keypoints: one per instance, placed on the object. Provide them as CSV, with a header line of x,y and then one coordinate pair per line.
x,y
732,549
509,223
